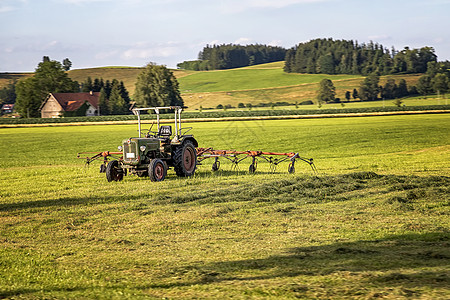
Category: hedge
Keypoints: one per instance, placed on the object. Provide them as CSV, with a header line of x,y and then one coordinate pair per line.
x,y
222,114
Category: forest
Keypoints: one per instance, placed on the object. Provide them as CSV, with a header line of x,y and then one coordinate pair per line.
x,y
328,56
229,56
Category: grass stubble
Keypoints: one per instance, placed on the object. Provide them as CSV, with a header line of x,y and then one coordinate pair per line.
x,y
373,224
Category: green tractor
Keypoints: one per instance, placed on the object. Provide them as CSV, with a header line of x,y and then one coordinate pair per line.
x,y
156,152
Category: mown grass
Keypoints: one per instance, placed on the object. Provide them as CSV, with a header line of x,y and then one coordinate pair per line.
x,y
373,224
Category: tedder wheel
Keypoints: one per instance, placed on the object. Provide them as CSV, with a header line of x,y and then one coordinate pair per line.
x,y
291,168
215,166
252,168
113,171
157,170
185,159
142,174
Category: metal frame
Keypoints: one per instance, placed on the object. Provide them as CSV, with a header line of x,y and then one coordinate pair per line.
x,y
178,110
237,156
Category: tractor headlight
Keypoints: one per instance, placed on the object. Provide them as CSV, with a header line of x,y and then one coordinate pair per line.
x,y
120,148
142,148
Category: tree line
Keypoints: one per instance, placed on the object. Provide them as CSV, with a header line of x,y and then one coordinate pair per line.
x,y
328,56
228,56
436,80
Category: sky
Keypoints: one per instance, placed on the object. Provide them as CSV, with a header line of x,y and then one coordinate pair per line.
x,y
96,33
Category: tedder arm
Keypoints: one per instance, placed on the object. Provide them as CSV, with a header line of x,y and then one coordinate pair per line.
x,y
274,158
104,156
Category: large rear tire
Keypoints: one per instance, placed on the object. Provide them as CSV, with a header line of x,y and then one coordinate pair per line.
x,y
113,171
157,170
185,159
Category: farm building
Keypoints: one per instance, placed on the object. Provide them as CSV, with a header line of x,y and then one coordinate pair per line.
x,y
7,108
70,104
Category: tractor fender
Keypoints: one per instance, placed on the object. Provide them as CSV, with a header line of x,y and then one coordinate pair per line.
x,y
190,138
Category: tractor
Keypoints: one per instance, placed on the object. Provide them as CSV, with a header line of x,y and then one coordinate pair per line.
x,y
154,153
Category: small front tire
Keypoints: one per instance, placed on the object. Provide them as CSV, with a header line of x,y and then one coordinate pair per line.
x,y
157,170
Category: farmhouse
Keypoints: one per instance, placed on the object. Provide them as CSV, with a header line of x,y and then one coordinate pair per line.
x,y
7,108
70,104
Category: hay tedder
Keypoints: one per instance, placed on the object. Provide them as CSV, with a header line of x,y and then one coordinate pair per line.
x,y
156,152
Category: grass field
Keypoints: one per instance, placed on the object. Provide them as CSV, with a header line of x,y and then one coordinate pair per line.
x,y
373,224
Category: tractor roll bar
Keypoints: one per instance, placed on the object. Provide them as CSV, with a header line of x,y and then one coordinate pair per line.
x,y
178,110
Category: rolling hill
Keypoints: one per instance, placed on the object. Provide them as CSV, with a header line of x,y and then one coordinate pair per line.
x,y
255,84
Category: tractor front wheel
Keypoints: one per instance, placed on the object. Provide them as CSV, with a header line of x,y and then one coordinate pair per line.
x,y
157,170
113,171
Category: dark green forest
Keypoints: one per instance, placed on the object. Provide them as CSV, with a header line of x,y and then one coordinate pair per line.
x,y
328,56
229,56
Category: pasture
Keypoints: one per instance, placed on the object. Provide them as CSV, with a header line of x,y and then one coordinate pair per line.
x,y
374,223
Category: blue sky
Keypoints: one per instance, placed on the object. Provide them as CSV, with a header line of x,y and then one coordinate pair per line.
x,y
95,33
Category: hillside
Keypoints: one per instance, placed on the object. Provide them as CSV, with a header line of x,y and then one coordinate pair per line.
x,y
263,84
255,84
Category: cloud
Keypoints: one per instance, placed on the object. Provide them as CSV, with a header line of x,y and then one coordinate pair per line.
x,y
275,43
278,3
234,6
381,37
10,5
149,51
83,1
242,41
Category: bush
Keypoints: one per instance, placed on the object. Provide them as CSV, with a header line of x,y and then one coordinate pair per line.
x,y
307,102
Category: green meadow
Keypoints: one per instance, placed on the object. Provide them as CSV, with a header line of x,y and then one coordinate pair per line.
x,y
373,223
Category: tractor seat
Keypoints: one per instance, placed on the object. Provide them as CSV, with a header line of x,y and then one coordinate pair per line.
x,y
165,131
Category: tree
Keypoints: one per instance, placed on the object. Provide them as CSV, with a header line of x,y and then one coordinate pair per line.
x,y
424,85
87,86
389,89
369,88
49,77
402,89
440,83
157,86
8,93
355,94
116,103
103,103
327,91
67,64
348,95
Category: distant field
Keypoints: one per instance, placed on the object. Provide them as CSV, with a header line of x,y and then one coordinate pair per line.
x,y
291,94
374,223
7,78
249,79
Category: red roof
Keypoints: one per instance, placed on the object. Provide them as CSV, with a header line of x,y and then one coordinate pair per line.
x,y
73,101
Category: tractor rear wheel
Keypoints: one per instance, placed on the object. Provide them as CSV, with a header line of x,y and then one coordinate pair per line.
x,y
113,171
185,159
157,170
